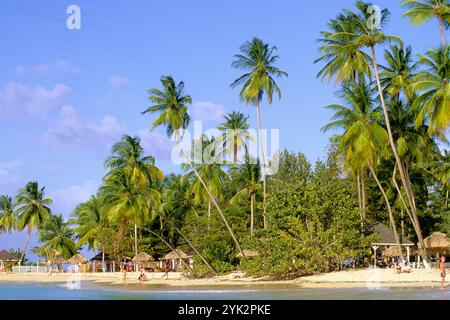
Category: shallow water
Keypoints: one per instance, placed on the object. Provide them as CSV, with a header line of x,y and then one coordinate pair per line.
x,y
90,291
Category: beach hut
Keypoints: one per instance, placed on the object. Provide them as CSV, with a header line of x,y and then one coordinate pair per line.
x,y
437,243
248,253
174,259
5,257
384,238
144,260
80,261
392,251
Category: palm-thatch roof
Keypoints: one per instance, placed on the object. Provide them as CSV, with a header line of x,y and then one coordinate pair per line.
x,y
385,236
6,256
437,240
172,255
78,258
392,251
248,253
98,257
143,257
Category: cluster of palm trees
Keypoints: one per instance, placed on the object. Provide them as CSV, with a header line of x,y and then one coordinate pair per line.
x,y
394,112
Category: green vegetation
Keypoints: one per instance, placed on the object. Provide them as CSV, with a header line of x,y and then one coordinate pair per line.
x,y
384,164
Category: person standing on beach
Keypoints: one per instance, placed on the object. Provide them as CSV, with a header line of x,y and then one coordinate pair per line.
x,y
166,271
442,269
125,281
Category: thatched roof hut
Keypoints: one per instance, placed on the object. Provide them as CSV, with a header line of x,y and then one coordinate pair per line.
x,y
143,257
392,251
6,256
384,236
78,258
437,242
98,257
172,255
248,253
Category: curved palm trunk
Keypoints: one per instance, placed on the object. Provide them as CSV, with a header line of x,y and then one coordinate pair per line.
x,y
441,29
360,201
261,151
252,201
363,196
405,205
136,266
391,216
168,244
103,258
409,193
212,199
193,247
209,214
26,246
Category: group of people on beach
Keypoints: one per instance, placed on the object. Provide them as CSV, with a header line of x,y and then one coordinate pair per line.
x,y
142,276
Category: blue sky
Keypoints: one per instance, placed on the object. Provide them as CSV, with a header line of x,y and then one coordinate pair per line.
x,y
67,95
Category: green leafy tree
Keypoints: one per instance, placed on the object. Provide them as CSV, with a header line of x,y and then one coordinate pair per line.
x,y
235,133
7,214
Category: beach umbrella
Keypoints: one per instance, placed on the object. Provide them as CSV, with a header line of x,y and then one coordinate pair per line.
x,y
437,242
248,253
78,258
392,252
143,257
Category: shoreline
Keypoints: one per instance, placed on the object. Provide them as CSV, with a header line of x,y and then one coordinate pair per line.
x,y
362,278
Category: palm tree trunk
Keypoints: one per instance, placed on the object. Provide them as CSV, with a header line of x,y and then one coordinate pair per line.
x,y
26,246
261,152
103,258
446,199
168,244
252,200
402,198
209,214
363,195
212,198
409,194
235,150
359,200
136,267
193,247
441,28
391,216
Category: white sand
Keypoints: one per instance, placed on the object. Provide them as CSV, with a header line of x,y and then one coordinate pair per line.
x,y
350,278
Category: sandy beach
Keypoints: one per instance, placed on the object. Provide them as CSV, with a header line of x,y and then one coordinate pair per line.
x,y
371,278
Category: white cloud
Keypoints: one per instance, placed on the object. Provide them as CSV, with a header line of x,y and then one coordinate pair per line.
x,y
60,66
65,200
73,131
155,144
21,100
207,111
118,83
9,175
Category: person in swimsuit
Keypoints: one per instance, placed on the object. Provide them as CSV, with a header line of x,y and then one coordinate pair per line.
x,y
442,269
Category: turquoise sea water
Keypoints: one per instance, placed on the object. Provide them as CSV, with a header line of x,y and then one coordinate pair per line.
x,y
89,291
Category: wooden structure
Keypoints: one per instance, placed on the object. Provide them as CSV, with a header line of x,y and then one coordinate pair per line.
x,y
174,260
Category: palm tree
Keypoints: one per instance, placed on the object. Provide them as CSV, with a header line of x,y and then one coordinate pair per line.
x,y
171,104
210,172
128,202
258,60
364,140
128,153
397,75
57,236
235,132
370,36
248,176
440,169
32,209
421,11
7,214
434,85
91,219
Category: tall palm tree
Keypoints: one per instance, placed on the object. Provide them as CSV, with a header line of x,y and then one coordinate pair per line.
x,y
128,202
434,87
7,214
128,154
370,36
91,219
364,139
248,176
32,209
171,105
257,59
235,133
440,169
56,235
210,172
421,11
